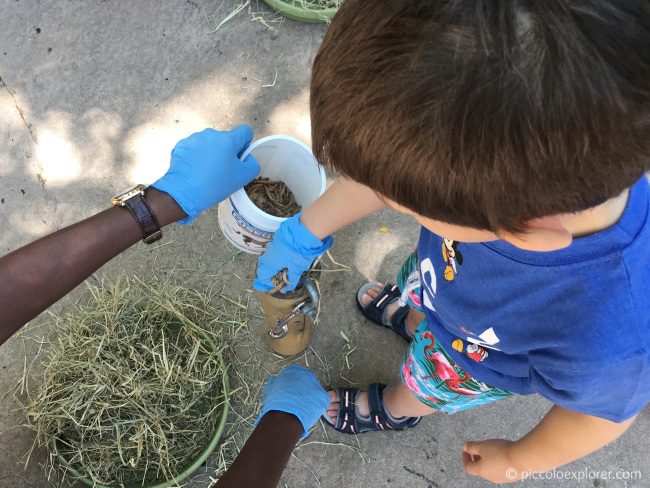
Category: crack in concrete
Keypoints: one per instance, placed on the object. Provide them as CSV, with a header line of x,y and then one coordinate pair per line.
x,y
431,483
20,110
28,126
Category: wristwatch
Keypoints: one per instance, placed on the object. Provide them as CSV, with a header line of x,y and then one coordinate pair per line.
x,y
133,199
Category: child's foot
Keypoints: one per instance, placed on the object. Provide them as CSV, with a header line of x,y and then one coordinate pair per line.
x,y
361,403
387,311
374,292
351,412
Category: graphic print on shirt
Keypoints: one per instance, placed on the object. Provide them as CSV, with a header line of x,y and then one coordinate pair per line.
x,y
472,351
488,338
477,344
452,257
429,283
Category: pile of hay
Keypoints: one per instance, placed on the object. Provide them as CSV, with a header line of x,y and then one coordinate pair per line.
x,y
133,391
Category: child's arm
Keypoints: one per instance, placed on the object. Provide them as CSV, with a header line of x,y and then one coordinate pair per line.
x,y
561,437
343,203
300,239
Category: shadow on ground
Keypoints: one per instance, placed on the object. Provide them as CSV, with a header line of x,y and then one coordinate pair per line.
x,y
93,96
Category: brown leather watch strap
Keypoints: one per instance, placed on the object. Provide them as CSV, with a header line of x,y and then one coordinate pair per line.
x,y
142,212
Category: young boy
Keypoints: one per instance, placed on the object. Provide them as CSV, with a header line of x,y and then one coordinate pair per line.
x,y
517,134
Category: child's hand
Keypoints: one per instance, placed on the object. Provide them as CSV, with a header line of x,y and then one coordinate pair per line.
x,y
205,169
490,460
293,248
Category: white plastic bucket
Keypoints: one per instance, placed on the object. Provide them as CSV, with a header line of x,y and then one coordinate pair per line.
x,y
281,158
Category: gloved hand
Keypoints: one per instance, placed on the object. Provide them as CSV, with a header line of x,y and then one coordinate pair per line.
x,y
205,169
293,248
295,390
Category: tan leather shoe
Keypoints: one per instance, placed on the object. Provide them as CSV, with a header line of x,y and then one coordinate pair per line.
x,y
290,317
295,338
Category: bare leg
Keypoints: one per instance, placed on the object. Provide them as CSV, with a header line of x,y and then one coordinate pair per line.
x,y
398,399
400,402
413,319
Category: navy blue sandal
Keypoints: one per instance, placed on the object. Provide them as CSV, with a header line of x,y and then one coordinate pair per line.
x,y
349,422
375,311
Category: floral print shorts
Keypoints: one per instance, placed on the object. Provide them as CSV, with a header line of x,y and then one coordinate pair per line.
x,y
428,371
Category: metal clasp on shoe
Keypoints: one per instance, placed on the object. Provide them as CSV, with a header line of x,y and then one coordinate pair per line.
x,y
281,327
308,307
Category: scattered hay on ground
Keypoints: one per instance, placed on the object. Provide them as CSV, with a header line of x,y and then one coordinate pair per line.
x,y
241,345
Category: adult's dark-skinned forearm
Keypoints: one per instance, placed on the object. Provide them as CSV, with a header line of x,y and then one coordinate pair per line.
x,y
262,460
35,276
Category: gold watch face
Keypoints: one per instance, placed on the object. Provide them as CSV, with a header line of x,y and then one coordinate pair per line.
x,y
119,200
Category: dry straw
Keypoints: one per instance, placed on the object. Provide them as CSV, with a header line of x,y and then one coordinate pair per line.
x,y
318,4
132,391
226,319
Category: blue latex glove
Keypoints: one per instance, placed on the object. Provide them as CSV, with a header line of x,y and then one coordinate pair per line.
x,y
293,248
296,390
205,169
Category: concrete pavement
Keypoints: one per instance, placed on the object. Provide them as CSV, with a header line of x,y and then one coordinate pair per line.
x,y
94,94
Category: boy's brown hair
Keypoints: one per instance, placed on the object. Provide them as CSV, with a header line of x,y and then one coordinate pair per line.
x,y
486,113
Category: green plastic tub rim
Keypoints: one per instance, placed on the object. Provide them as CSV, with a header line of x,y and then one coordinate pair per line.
x,y
190,469
295,12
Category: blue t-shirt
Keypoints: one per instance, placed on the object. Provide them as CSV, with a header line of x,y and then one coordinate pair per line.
x,y
572,325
